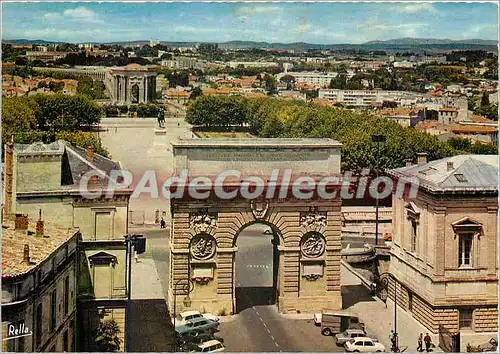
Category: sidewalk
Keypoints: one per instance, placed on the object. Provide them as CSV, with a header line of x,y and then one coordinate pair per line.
x,y
379,319
146,283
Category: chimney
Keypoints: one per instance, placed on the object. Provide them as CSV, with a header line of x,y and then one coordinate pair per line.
x,y
26,254
421,158
449,166
21,222
90,154
408,162
9,161
39,225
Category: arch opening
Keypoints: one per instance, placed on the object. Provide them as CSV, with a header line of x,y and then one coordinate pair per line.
x,y
256,266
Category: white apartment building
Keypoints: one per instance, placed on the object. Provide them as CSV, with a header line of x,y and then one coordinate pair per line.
x,y
251,64
365,98
318,79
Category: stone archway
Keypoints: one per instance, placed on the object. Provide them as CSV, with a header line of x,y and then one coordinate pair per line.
x,y
309,253
309,231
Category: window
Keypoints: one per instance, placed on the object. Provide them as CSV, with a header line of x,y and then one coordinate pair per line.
x,y
465,318
465,249
53,310
369,344
38,329
414,233
65,341
66,295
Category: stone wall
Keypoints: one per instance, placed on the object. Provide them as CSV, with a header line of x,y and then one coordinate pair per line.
x,y
485,319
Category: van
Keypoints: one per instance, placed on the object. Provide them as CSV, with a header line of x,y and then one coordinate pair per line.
x,y
337,322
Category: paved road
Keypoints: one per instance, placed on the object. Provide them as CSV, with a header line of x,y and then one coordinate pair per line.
x,y
135,144
262,329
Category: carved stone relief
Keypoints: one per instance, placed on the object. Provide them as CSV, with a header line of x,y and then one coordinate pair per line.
x,y
312,245
203,247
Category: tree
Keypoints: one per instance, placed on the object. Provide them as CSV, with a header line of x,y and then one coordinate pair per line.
x,y
485,99
62,112
460,144
195,93
18,115
339,82
270,84
107,339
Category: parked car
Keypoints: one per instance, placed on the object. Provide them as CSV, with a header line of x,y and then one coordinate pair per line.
x,y
363,345
347,335
491,346
197,326
211,346
183,317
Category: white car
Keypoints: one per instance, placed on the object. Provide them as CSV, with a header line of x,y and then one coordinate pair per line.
x,y
183,318
212,346
363,345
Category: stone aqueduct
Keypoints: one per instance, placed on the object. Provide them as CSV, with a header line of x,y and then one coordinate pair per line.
x,y
203,234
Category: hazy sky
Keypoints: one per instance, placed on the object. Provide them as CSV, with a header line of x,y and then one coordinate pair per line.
x,y
321,23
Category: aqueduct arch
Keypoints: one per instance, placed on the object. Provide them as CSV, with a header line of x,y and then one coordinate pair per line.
x,y
204,231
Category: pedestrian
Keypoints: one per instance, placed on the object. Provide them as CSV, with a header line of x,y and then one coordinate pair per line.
x,y
116,129
420,343
427,341
162,223
391,336
135,256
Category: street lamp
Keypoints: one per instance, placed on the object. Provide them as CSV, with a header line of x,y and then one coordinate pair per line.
x,y
383,284
377,139
186,289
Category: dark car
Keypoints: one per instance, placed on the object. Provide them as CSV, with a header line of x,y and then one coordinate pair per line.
x,y
196,326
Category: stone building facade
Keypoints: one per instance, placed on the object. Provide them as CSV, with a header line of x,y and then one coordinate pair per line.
x,y
307,233
131,84
46,178
445,241
38,286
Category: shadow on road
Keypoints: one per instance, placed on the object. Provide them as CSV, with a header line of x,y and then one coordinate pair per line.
x,y
254,296
150,326
352,294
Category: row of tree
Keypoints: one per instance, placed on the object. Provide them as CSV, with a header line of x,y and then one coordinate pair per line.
x,y
51,117
274,118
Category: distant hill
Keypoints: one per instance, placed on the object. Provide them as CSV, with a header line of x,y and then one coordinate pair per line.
x,y
432,41
392,45
28,41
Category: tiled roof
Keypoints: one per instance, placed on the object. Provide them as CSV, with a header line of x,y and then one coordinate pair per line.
x,y
78,161
473,129
40,248
470,173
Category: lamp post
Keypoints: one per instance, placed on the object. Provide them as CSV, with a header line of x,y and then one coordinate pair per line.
x,y
384,285
377,139
186,288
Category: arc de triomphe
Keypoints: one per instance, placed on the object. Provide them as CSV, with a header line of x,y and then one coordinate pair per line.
x,y
203,234
131,84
